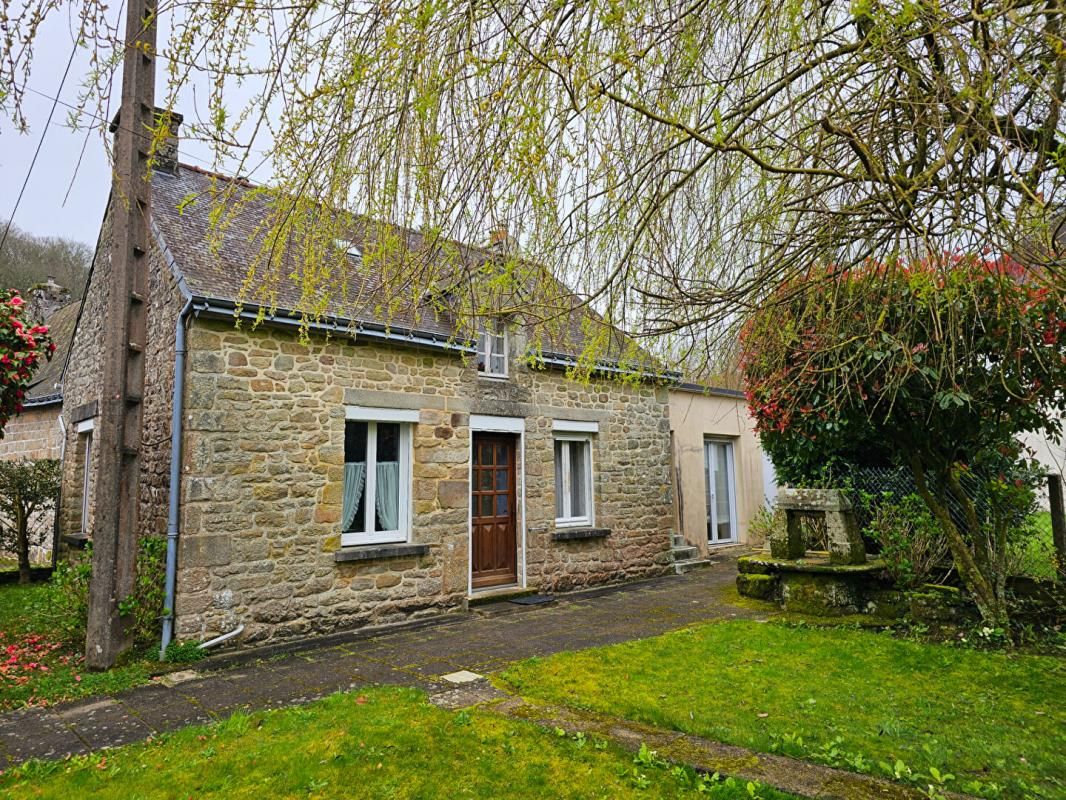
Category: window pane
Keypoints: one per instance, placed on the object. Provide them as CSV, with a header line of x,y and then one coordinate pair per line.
x,y
722,494
499,364
354,442
579,479
353,517
482,352
387,494
558,480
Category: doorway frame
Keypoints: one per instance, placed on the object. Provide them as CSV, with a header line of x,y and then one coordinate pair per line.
x,y
487,423
731,465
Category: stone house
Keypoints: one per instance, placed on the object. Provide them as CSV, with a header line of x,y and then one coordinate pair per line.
x,y
721,475
36,432
367,473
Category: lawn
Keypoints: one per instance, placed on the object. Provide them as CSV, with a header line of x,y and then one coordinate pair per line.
x,y
382,743
36,667
850,698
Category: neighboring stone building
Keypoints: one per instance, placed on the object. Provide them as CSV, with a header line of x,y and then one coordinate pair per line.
x,y
36,432
374,473
718,466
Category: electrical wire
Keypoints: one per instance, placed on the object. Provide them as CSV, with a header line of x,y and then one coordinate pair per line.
x,y
40,144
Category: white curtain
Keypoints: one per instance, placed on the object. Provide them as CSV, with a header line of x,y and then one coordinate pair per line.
x,y
354,478
388,495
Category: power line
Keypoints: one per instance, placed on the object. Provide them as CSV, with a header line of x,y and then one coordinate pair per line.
x,y
97,118
40,143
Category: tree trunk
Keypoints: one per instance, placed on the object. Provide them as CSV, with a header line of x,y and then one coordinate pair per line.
x,y
22,545
973,570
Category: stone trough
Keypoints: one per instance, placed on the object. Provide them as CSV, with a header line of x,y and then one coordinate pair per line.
x,y
838,581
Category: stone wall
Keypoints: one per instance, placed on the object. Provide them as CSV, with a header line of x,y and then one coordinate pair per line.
x,y
263,476
164,305
81,390
81,384
32,434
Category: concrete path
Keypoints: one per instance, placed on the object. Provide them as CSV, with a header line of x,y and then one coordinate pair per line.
x,y
481,641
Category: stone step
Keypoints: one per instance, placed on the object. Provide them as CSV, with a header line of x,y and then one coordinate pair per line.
x,y
682,567
677,540
684,552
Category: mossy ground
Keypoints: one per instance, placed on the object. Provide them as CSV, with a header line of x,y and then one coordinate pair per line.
x,y
381,743
847,697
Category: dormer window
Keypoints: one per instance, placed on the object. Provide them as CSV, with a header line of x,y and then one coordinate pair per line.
x,y
350,249
492,352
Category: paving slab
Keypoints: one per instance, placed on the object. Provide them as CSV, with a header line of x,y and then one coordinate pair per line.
x,y
104,723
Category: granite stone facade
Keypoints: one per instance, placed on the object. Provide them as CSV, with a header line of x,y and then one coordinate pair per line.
x,y
263,451
32,434
263,479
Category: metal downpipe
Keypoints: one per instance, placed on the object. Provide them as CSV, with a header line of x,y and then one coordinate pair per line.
x,y
177,406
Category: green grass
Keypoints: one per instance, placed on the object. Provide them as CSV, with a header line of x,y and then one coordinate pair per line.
x,y
842,696
381,743
36,667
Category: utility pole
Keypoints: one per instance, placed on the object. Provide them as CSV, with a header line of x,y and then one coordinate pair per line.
x,y
124,343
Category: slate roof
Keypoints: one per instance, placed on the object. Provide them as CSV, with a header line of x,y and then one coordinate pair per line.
x,y
216,268
46,388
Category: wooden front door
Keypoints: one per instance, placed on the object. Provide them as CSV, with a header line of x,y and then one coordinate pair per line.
x,y
493,511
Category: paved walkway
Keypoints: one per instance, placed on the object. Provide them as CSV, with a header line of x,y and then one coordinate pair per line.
x,y
482,641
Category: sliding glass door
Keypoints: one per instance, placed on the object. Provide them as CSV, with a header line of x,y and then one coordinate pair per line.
x,y
721,492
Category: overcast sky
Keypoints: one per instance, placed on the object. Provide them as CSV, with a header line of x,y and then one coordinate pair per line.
x,y
43,210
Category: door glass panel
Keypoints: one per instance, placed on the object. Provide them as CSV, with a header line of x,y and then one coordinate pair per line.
x,y
718,457
501,454
501,505
484,479
486,506
578,479
501,480
723,493
486,454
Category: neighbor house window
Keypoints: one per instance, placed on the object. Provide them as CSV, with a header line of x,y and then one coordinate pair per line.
x,y
83,463
492,352
376,503
573,479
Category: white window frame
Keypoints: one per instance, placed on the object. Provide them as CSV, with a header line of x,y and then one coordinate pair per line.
x,y
731,479
372,417
567,520
485,341
86,475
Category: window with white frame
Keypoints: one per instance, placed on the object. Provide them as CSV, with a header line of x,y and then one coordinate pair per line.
x,y
376,502
573,479
83,462
492,352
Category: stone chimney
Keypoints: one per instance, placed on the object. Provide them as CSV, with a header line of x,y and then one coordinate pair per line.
x,y
501,242
167,155
46,298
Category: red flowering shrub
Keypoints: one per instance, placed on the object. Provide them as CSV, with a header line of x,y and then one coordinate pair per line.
x,y
23,348
937,366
